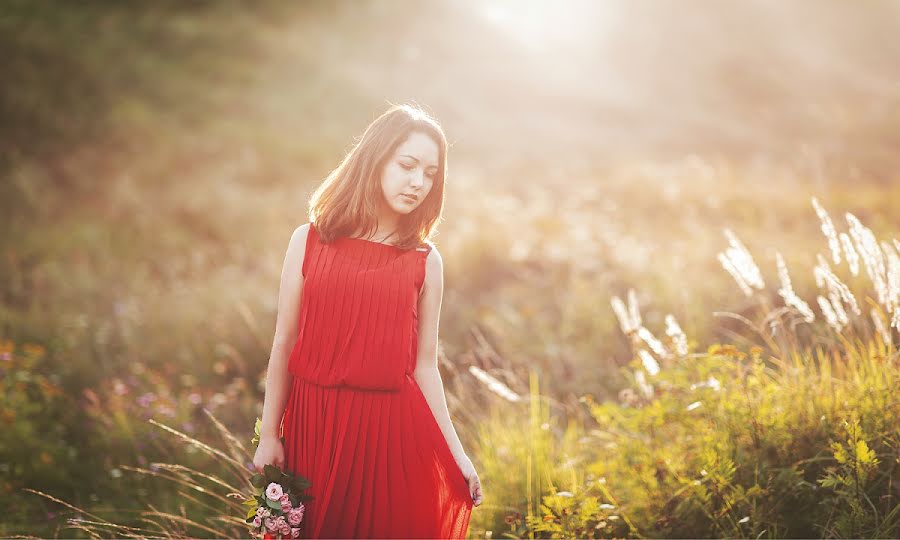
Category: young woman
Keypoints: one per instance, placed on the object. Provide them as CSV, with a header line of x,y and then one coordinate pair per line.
x,y
353,368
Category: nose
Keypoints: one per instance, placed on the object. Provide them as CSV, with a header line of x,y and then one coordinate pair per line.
x,y
418,179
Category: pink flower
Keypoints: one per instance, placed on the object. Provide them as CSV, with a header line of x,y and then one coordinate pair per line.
x,y
285,498
295,517
280,522
295,532
262,512
274,491
257,521
270,524
285,530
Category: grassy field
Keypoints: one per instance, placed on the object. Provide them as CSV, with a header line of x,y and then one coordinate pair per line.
x,y
157,157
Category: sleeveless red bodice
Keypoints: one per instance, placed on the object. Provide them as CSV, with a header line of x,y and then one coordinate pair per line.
x,y
358,324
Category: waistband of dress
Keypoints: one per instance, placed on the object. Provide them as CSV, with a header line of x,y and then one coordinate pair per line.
x,y
298,378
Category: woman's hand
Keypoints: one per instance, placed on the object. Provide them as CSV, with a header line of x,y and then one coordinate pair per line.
x,y
468,470
269,452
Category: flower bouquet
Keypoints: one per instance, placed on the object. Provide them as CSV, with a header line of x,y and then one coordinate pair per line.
x,y
276,507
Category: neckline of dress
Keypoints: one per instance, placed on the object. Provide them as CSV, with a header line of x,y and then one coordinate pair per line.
x,y
371,242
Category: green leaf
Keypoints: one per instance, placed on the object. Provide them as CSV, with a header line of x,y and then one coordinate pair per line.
x,y
272,473
258,480
273,504
300,483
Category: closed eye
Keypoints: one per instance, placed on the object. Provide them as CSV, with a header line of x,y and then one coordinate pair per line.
x,y
410,167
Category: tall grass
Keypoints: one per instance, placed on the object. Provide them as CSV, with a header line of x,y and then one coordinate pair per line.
x,y
202,503
791,431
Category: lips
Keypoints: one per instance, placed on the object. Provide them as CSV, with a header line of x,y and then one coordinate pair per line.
x,y
412,198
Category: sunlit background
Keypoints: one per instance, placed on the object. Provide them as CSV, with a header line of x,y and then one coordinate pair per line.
x,y
155,158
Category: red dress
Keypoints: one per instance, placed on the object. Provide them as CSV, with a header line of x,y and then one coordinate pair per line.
x,y
356,422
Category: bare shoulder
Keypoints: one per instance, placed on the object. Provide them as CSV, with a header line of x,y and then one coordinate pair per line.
x,y
298,238
296,250
434,264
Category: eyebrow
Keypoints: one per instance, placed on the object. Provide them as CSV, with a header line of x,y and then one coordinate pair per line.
x,y
416,159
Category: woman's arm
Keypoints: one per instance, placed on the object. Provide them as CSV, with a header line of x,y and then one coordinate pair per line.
x,y
277,376
426,373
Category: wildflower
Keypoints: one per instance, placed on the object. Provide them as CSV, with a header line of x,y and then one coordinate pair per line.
x,y
145,399
166,410
628,397
119,387
274,491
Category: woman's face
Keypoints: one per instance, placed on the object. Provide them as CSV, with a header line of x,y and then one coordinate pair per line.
x,y
410,171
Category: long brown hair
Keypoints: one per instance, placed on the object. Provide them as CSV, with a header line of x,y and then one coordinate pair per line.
x,y
346,200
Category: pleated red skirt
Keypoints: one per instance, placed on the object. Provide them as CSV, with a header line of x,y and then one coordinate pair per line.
x,y
379,464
